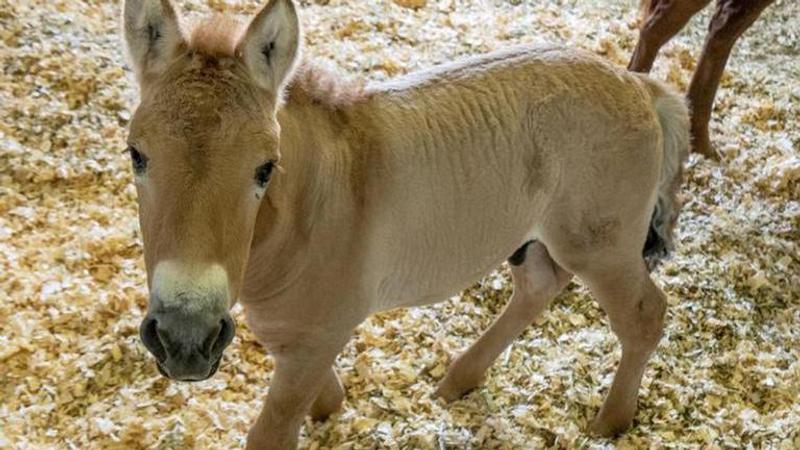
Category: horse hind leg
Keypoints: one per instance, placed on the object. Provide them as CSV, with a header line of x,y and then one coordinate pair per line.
x,y
537,279
635,307
662,20
731,19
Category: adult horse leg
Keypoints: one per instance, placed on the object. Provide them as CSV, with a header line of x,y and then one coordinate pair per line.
x,y
730,20
537,280
663,19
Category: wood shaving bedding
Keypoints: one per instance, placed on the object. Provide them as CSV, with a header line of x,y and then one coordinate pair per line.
x,y
73,373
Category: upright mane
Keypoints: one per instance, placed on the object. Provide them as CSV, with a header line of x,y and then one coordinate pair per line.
x,y
217,37
314,84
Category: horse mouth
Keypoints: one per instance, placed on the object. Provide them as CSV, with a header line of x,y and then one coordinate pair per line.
x,y
211,372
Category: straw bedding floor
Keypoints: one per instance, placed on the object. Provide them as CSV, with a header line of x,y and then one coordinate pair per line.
x,y
73,373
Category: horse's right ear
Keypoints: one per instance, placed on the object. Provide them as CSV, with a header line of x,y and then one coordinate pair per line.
x,y
153,35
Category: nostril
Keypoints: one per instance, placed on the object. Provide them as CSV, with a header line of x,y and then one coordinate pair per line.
x,y
223,337
208,344
163,339
151,339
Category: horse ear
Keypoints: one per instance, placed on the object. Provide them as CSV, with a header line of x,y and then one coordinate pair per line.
x,y
270,45
153,35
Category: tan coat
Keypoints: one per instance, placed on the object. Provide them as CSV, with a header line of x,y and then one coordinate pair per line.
x,y
405,192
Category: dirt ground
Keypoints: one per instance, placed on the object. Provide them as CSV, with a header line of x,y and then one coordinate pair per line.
x,y
73,373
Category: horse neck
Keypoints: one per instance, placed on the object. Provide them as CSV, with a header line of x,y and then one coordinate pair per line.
x,y
314,202
338,161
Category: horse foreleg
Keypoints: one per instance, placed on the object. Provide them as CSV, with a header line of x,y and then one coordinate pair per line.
x,y
730,20
301,375
330,397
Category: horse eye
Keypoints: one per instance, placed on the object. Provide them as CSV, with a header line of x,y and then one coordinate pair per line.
x,y
263,172
138,160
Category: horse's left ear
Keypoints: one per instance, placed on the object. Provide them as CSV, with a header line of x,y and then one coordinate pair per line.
x,y
269,47
153,33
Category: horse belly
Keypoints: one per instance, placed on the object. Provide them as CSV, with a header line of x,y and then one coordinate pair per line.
x,y
442,230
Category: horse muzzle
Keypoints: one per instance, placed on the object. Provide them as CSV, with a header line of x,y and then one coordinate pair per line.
x,y
187,346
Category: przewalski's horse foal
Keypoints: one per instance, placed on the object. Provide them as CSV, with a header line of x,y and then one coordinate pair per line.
x,y
663,19
398,194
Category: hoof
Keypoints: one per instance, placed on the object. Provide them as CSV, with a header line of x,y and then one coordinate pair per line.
x,y
462,377
325,406
609,426
708,152
321,413
449,390
701,144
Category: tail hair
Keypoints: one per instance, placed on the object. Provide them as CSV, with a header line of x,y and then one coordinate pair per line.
x,y
673,116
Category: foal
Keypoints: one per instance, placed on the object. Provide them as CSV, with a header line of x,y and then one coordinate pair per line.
x,y
399,194
663,19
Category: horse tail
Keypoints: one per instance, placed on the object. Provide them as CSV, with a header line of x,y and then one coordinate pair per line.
x,y
673,117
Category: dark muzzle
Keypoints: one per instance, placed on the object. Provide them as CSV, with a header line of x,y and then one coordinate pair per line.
x,y
187,345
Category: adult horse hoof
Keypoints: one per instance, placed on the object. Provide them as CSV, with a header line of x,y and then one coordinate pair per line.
x,y
701,144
